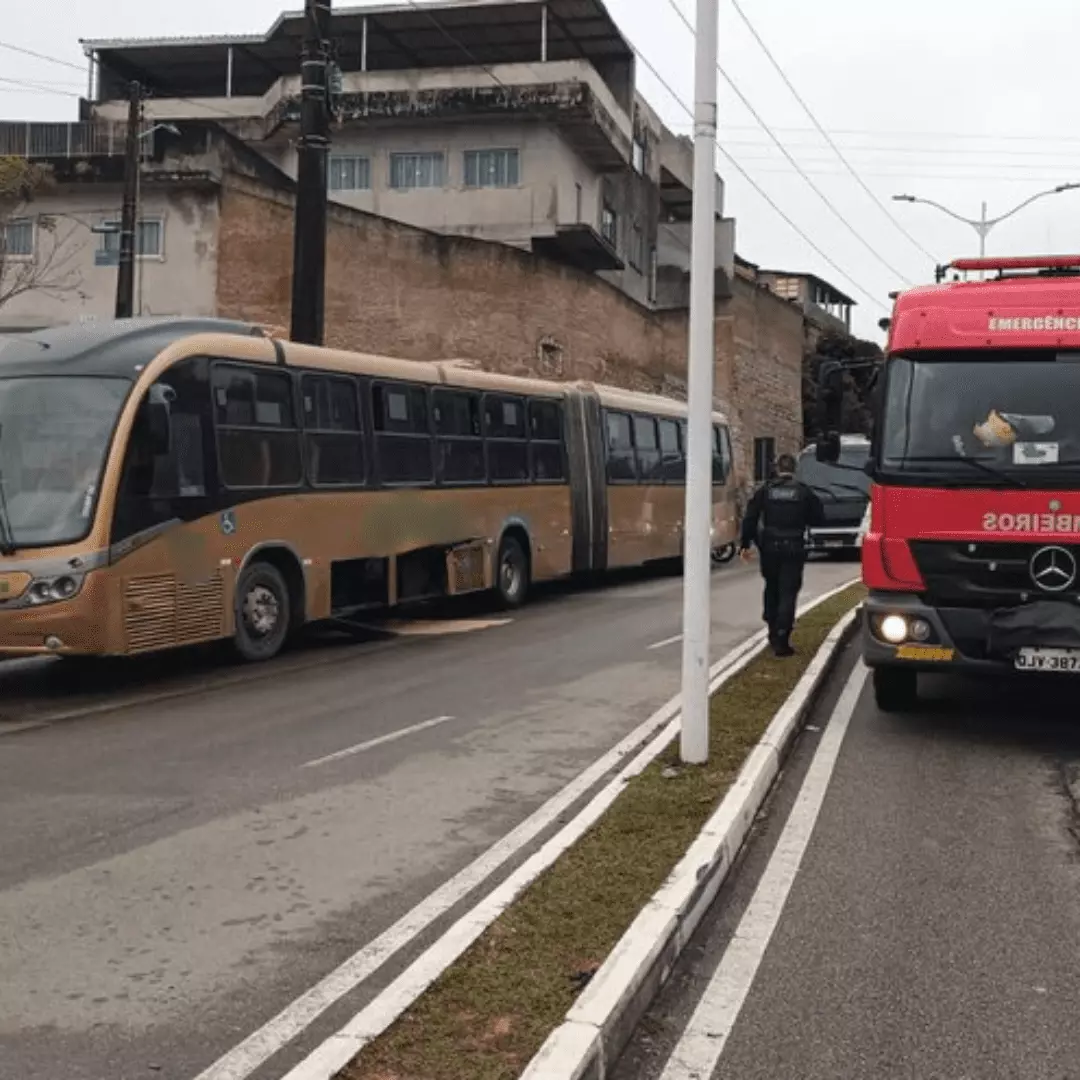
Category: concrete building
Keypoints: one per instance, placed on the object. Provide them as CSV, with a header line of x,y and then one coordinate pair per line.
x,y
517,122
823,304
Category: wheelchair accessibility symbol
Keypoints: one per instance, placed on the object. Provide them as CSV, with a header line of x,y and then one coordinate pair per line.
x,y
228,522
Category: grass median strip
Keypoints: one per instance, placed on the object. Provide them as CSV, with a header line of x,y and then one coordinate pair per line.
x,y
487,1016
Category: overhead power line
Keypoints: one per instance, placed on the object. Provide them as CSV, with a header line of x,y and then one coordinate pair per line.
x,y
41,56
828,138
24,85
760,190
798,168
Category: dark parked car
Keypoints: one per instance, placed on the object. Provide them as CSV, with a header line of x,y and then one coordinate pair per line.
x,y
844,490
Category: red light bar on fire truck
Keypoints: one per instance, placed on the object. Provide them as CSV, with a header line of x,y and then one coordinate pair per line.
x,y
1014,262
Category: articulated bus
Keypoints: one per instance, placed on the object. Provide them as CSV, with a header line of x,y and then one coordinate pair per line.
x,y
972,556
178,481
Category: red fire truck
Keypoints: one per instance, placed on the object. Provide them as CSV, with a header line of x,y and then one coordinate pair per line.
x,y
972,557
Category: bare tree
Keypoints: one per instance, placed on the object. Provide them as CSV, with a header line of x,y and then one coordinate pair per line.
x,y
50,266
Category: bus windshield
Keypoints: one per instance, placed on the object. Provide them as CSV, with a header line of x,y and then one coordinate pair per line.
x,y
979,421
54,433
844,480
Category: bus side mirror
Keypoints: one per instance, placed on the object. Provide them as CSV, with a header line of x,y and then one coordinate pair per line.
x,y
159,428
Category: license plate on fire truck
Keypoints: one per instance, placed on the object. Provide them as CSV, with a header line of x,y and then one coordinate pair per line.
x,y
1061,660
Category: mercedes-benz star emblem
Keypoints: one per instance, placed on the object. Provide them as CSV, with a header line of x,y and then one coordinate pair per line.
x,y
1053,569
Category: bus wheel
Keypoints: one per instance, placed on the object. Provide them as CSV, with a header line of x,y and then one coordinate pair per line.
x,y
262,612
895,689
512,573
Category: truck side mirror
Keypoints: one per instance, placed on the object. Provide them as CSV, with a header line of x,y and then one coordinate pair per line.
x,y
828,448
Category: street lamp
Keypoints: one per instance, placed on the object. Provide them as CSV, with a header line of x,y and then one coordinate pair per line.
x,y
983,225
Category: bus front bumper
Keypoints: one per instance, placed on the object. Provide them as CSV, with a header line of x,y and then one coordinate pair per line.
x,y
76,627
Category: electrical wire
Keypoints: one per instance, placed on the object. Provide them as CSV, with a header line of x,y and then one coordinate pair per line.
x,y
784,150
760,190
23,86
41,56
828,138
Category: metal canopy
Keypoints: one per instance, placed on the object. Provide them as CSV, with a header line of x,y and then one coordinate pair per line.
x,y
481,32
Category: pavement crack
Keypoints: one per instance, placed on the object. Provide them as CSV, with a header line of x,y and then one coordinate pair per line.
x,y
1069,779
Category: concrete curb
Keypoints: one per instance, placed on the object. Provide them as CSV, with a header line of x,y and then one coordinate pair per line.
x,y
600,1023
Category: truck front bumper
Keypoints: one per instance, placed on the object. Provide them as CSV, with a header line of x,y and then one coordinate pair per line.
x,y
948,639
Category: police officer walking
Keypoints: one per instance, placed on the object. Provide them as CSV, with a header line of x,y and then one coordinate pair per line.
x,y
777,517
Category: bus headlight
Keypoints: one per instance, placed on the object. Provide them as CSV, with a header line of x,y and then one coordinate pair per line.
x,y
894,629
52,590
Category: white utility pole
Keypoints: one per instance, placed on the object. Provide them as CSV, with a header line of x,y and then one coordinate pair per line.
x,y
697,543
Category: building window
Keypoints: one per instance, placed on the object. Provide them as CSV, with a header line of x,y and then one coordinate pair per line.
x,y
639,157
492,168
17,239
148,241
411,171
764,458
609,225
636,256
349,174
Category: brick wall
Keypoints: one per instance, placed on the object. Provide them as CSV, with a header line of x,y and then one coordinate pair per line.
x,y
401,291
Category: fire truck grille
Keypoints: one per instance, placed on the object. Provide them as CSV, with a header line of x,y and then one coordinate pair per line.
x,y
966,574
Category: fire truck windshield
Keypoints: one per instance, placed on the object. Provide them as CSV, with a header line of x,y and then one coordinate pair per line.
x,y
1012,415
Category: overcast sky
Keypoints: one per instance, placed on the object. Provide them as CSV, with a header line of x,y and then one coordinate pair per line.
x,y
956,101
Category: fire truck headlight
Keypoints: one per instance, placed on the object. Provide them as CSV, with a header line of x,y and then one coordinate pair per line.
x,y
894,629
920,629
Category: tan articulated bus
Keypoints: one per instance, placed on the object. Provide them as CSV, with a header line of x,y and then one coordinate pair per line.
x,y
167,482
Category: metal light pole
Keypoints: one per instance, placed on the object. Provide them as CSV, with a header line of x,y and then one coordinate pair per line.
x,y
983,225
694,737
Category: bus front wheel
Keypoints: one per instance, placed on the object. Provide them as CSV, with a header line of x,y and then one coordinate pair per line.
x,y
262,612
512,573
895,689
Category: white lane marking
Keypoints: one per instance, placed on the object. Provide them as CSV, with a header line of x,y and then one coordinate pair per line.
x,y
698,1051
280,1030
382,740
667,641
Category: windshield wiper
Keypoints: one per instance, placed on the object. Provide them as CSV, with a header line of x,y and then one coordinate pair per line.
x,y
990,470
7,535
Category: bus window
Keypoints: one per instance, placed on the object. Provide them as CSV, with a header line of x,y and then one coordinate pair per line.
x,y
403,435
332,436
721,454
545,450
672,466
155,488
460,447
647,448
257,434
504,423
620,449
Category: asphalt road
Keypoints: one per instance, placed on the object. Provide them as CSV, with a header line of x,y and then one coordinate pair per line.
x,y
931,928
174,872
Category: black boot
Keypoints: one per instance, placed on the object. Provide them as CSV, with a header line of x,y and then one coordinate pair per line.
x,y
782,645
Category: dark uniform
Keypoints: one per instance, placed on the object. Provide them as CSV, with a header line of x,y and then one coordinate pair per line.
x,y
777,518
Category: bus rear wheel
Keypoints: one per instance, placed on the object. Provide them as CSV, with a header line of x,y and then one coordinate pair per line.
x,y
262,612
512,573
895,689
